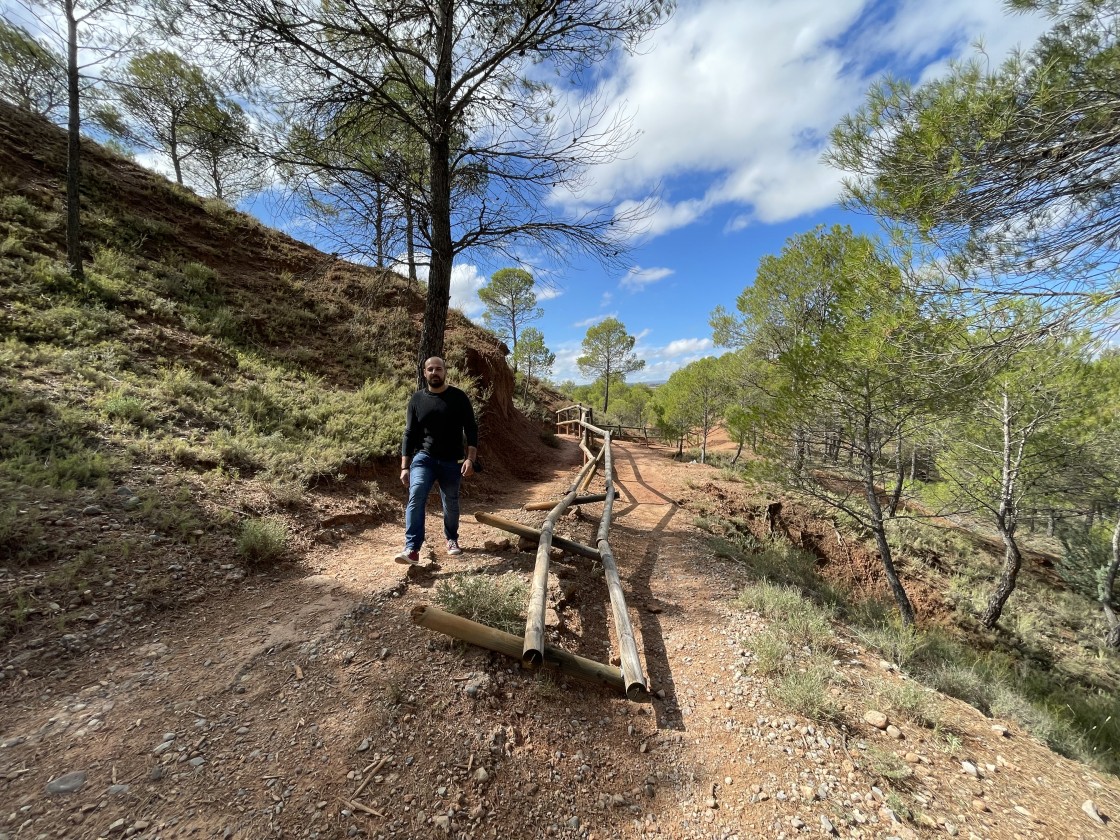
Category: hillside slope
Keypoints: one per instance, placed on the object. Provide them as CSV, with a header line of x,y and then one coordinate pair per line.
x,y
215,390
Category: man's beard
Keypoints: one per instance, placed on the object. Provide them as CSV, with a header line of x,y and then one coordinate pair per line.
x,y
435,381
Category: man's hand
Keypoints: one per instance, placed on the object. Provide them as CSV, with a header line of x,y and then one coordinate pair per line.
x,y
404,476
468,468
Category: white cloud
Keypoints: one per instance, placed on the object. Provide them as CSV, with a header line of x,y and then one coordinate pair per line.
x,y
734,101
684,346
548,292
594,319
466,280
606,299
637,278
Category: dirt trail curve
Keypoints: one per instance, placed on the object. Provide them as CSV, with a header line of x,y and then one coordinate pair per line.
x,y
312,707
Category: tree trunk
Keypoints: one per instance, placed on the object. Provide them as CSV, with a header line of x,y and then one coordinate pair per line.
x,y
73,151
379,224
176,161
738,452
913,463
439,273
1012,563
410,238
905,608
1050,523
900,474
1112,639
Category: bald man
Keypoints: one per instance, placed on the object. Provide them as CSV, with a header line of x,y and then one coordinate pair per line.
x,y
439,418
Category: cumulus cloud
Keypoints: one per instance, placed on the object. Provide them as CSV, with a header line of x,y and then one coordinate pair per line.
x,y
466,280
594,319
744,96
548,292
637,278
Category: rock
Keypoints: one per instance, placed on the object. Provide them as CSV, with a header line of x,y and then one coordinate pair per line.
x,y
92,510
826,825
118,790
364,746
796,824
481,776
68,782
875,718
496,545
1001,730
526,544
980,806
573,823
894,732
156,773
970,768
443,823
1019,809
477,684
1090,808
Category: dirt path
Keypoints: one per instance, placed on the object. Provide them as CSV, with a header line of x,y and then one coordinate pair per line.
x,y
312,707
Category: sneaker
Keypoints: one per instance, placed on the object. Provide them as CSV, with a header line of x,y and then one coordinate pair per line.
x,y
453,548
408,558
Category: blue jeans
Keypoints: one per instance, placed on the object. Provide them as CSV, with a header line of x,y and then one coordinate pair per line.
x,y
422,474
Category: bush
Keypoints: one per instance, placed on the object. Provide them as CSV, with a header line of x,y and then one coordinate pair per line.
x,y
495,602
806,692
262,540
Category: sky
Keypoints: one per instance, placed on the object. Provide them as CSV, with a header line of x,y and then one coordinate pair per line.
x,y
734,101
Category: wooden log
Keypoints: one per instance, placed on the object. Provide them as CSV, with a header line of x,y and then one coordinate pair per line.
x,y
506,643
531,533
636,688
532,653
579,500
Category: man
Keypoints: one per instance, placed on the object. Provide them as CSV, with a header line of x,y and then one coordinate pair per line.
x,y
438,418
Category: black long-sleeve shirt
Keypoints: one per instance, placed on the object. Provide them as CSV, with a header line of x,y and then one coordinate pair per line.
x,y
436,424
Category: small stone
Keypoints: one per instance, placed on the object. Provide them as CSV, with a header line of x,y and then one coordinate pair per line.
x,y
980,806
876,719
156,773
826,825
68,783
951,829
1019,809
91,510
481,776
1090,808
970,769
443,823
796,824
894,732
118,790
573,823
116,825
1001,730
711,804
364,746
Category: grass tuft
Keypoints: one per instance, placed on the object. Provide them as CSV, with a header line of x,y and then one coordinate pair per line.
x,y
262,540
496,602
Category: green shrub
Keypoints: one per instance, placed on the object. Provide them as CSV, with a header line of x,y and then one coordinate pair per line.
x,y
806,692
262,540
122,406
496,602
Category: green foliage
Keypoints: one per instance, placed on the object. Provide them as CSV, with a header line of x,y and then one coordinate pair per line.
x,y
608,355
262,540
497,602
32,75
531,357
511,304
806,692
694,399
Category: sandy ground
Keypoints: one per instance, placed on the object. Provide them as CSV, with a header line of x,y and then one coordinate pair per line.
x,y
309,705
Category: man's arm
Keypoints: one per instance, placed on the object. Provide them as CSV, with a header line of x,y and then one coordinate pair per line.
x,y
408,443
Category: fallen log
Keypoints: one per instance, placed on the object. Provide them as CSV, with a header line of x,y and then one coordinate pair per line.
x,y
579,500
534,534
506,643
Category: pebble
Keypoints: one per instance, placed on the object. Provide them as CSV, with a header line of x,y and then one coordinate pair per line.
x,y
1090,808
443,823
68,783
826,825
364,746
875,718
970,769
894,732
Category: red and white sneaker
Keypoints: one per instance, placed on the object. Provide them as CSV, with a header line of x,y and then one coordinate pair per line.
x,y
453,548
408,558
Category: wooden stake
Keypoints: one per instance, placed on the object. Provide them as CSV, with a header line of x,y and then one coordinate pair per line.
x,y
509,645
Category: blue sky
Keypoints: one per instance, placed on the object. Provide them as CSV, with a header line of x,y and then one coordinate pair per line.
x,y
734,100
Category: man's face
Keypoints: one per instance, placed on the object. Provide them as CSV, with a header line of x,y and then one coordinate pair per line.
x,y
434,373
